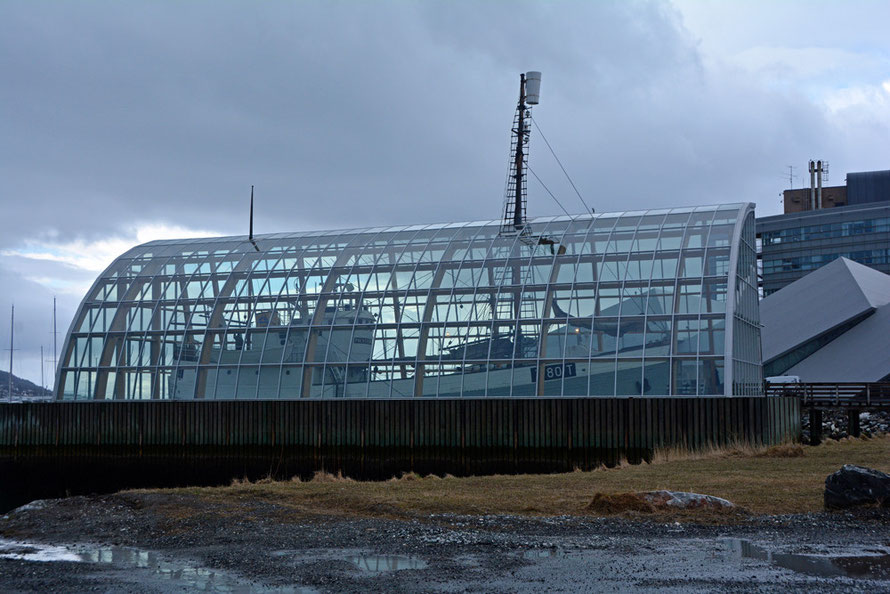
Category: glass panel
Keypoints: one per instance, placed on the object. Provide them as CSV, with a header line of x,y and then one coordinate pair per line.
x,y
629,378
575,381
604,337
688,332
630,335
267,382
291,379
525,379
714,296
712,337
689,298
660,300
657,377
658,337
710,378
553,374
685,377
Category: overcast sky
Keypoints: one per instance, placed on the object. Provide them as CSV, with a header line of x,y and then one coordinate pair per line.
x,y
122,122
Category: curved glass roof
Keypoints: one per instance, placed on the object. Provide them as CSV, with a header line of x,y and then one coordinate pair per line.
x,y
649,303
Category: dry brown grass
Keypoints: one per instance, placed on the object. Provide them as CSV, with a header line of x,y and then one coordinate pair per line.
x,y
618,503
788,450
326,477
782,479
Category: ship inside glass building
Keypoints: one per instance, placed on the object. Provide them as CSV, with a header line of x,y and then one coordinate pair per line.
x,y
644,303
638,303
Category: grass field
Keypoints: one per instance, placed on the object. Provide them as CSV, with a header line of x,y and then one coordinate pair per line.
x,y
783,479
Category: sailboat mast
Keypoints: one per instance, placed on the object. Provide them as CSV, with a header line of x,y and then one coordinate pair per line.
x,y
11,346
250,231
55,352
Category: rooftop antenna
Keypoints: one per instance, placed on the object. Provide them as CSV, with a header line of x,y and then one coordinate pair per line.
x,y
250,236
516,193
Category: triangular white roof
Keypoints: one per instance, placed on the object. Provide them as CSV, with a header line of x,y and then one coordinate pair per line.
x,y
861,354
840,292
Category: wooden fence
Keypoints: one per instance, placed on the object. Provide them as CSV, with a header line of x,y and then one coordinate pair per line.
x,y
136,443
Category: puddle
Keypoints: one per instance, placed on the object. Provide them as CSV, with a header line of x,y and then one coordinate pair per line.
x,y
557,553
381,563
542,553
24,551
198,579
468,561
871,566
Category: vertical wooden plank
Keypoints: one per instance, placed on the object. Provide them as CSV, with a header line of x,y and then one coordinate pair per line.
x,y
607,422
599,424
649,441
708,405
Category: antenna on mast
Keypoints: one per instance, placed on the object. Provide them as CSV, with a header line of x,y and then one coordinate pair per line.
x,y
250,233
516,194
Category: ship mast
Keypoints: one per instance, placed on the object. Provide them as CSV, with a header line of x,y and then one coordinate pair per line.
x,y
515,197
519,160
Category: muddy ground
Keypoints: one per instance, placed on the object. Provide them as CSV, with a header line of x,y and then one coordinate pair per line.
x,y
168,542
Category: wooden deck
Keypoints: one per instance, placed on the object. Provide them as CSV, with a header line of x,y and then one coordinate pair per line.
x,y
851,395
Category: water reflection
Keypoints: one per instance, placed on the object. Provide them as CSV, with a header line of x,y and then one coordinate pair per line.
x,y
381,563
25,551
199,579
544,553
871,566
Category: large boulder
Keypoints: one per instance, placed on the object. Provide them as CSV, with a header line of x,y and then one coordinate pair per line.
x,y
652,501
853,485
684,500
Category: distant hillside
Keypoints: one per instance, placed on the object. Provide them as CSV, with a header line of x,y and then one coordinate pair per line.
x,y
21,388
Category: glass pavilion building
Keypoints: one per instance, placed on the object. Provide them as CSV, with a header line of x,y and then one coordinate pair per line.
x,y
651,303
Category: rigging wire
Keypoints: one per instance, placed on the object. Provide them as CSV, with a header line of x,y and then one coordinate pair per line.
x,y
535,122
530,170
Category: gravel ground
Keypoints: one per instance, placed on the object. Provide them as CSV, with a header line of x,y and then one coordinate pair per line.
x,y
168,542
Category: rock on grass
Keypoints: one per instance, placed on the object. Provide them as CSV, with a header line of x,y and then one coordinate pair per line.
x,y
853,486
652,501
